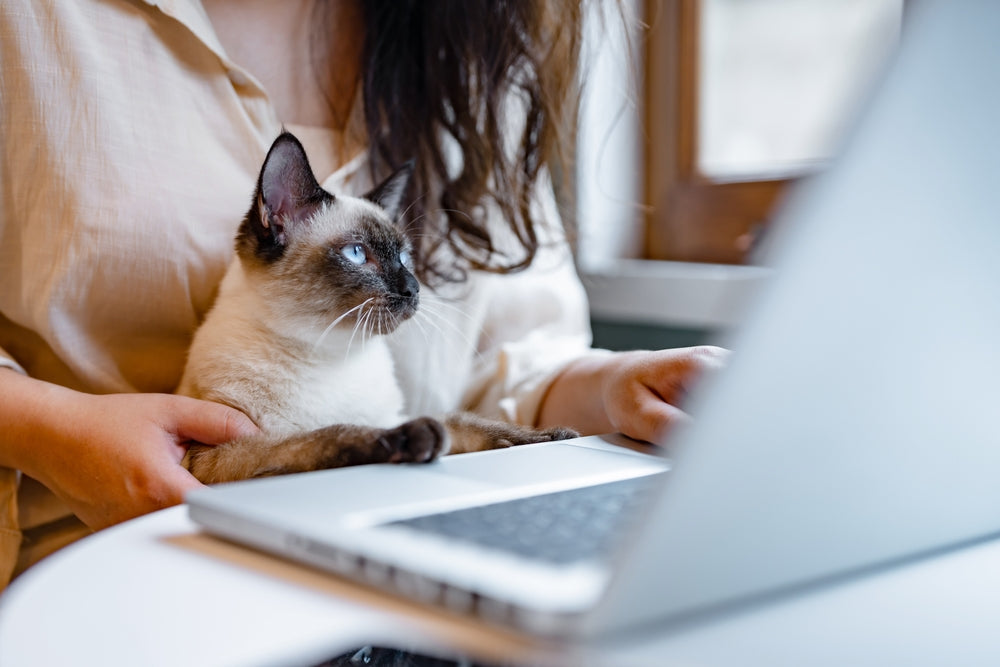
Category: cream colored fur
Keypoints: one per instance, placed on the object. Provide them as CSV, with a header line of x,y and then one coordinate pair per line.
x,y
258,356
278,346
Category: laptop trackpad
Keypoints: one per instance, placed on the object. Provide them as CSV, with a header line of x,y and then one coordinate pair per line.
x,y
352,494
465,480
547,463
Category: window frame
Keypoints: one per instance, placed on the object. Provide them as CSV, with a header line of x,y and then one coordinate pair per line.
x,y
689,216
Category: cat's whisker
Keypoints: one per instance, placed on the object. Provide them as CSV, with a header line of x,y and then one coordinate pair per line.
x,y
464,336
415,318
358,324
454,327
366,331
413,236
444,319
433,299
354,331
445,303
337,321
375,329
441,210
402,216
455,210
421,316
372,323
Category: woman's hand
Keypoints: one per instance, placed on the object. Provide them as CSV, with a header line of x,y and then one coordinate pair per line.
x,y
113,457
635,393
641,390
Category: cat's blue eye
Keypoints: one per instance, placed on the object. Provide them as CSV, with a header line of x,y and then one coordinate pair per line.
x,y
355,254
405,259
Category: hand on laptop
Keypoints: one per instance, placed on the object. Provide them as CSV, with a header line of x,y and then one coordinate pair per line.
x,y
635,393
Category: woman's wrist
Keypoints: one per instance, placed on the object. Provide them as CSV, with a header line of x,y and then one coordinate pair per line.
x,y
636,393
575,397
32,413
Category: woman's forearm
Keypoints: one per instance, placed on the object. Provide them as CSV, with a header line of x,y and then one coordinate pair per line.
x,y
635,393
110,457
574,398
32,412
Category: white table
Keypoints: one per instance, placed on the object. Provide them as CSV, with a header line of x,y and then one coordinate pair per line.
x,y
155,591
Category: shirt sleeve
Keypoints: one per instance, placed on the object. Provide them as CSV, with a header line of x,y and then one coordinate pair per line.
x,y
10,536
537,322
7,361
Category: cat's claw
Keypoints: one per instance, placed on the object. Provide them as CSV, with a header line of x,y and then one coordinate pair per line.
x,y
527,436
417,441
560,433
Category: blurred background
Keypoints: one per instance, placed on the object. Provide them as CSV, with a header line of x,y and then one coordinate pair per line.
x,y
698,117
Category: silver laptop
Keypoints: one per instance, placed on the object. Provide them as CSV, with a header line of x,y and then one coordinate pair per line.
x,y
854,428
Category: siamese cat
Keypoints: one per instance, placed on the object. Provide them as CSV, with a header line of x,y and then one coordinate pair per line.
x,y
312,272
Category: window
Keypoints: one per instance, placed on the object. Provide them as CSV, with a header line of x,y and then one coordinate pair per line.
x,y
742,98
737,99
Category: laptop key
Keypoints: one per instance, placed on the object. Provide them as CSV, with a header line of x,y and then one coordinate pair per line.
x,y
560,527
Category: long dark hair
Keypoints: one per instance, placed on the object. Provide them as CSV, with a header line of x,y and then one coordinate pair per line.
x,y
436,72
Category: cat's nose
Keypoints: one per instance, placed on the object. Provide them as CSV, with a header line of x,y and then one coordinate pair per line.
x,y
408,287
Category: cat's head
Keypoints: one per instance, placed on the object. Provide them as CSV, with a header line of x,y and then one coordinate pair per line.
x,y
326,257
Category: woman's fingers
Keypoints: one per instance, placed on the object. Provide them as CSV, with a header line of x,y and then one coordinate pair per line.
x,y
207,422
645,390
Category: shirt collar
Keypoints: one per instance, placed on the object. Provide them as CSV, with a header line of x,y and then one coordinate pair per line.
x,y
191,14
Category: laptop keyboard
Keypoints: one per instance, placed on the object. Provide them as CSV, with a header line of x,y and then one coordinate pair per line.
x,y
560,527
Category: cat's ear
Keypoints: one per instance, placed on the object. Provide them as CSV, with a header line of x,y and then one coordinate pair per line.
x,y
389,193
287,192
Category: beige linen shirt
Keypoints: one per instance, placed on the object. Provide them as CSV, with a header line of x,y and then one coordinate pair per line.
x,y
129,149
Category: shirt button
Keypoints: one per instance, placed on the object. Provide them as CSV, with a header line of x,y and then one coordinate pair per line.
x,y
237,77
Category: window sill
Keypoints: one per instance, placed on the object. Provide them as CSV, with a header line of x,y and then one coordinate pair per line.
x,y
672,294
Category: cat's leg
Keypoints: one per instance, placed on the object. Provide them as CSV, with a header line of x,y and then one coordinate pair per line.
x,y
419,440
472,433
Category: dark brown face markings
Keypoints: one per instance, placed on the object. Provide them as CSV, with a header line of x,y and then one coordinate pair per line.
x,y
286,197
382,276
322,255
319,276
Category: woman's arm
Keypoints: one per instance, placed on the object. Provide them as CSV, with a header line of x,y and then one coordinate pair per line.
x,y
109,457
538,328
635,393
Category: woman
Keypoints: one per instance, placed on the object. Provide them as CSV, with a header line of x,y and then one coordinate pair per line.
x,y
132,133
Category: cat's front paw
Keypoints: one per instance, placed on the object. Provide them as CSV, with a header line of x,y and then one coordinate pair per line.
x,y
522,435
416,441
559,433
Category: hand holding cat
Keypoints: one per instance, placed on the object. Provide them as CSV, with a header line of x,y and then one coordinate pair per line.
x,y
110,457
131,453
635,393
